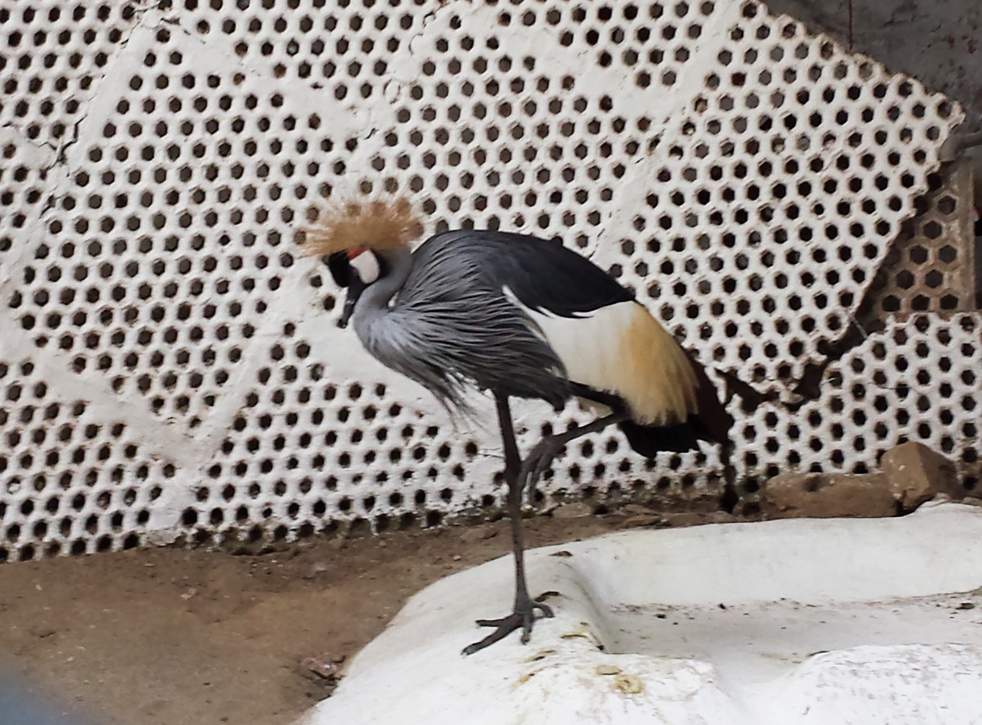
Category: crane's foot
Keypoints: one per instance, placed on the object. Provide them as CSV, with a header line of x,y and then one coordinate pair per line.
x,y
522,618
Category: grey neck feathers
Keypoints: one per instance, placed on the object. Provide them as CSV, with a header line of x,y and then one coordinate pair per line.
x,y
374,301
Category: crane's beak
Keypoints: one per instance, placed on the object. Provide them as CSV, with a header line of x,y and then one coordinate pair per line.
x,y
340,267
355,288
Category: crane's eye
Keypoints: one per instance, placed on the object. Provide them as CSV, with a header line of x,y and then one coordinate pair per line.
x,y
366,266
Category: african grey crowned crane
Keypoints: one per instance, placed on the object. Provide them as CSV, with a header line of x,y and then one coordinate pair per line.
x,y
522,318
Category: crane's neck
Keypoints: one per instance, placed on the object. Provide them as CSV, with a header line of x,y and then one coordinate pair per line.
x,y
374,301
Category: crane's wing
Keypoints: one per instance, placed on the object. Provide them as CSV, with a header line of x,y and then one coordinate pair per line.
x,y
543,275
607,341
530,318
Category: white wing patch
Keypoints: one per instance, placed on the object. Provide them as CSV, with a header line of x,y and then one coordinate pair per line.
x,y
589,346
623,350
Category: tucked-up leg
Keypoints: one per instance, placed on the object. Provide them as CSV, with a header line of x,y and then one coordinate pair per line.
x,y
540,457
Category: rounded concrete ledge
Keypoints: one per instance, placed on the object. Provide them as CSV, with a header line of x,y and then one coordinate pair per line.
x,y
833,621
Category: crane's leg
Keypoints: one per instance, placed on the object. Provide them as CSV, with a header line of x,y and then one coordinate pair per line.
x,y
519,477
548,448
523,612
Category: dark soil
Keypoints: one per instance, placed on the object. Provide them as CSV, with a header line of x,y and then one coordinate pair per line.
x,y
204,637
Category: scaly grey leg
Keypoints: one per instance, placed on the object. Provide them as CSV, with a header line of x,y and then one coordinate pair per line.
x,y
519,477
523,612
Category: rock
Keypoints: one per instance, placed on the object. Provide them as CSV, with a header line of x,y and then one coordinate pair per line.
x,y
641,520
912,474
671,583
677,519
577,510
478,533
827,495
683,519
916,474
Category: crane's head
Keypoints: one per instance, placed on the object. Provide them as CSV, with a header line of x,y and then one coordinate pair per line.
x,y
354,269
353,235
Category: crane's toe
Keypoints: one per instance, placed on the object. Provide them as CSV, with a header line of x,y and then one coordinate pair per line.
x,y
522,618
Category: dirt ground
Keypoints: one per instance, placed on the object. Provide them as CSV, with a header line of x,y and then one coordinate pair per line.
x,y
202,637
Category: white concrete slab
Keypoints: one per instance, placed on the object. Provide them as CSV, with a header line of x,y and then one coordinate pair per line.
x,y
817,622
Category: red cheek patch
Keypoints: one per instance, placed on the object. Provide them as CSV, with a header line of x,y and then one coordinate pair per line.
x,y
354,252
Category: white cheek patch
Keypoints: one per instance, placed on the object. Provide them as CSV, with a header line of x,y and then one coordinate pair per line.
x,y
366,265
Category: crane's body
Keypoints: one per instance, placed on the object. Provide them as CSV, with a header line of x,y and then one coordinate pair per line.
x,y
525,318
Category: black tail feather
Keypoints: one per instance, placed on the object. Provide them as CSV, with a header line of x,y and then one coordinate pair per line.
x,y
649,440
712,423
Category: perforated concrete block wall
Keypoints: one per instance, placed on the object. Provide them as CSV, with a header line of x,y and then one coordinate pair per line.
x,y
170,365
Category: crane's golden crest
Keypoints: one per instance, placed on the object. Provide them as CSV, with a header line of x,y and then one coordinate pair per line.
x,y
368,223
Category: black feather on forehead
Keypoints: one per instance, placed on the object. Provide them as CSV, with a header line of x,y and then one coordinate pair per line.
x,y
340,268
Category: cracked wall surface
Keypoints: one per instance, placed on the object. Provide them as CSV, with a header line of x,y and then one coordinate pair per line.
x,y
171,366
